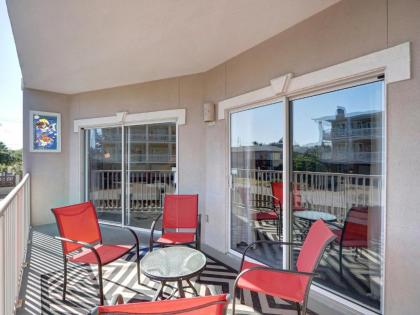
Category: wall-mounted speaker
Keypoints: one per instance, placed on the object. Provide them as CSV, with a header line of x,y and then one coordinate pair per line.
x,y
209,113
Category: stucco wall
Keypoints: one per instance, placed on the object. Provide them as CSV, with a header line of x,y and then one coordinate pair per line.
x,y
346,30
403,215
49,171
184,92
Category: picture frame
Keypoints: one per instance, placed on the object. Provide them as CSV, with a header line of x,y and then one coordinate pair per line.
x,y
45,131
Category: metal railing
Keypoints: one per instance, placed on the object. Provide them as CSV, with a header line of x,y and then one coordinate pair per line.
x,y
14,231
334,193
146,189
352,156
161,158
7,180
355,132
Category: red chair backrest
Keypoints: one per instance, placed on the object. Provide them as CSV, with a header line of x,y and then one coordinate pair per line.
x,y
205,305
356,225
297,197
277,191
78,222
319,236
180,211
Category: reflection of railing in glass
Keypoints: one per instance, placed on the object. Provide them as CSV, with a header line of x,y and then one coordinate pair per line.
x,y
147,189
352,157
333,193
162,158
354,132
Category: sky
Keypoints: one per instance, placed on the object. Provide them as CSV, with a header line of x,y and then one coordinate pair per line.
x,y
264,124
10,85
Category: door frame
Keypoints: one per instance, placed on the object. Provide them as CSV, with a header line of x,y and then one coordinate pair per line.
x,y
288,172
285,175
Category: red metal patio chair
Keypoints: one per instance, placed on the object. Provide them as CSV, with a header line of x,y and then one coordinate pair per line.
x,y
354,233
288,285
205,305
181,222
80,235
272,212
277,191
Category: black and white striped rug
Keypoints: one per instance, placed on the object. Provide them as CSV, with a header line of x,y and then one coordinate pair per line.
x,y
43,282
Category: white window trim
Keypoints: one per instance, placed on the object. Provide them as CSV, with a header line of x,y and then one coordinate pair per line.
x,y
394,62
123,118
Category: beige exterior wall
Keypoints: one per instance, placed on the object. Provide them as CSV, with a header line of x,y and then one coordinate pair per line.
x,y
347,30
49,171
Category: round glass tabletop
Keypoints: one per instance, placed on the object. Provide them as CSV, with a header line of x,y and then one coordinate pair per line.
x,y
173,263
312,215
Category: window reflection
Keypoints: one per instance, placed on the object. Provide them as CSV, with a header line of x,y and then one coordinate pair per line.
x,y
337,174
256,173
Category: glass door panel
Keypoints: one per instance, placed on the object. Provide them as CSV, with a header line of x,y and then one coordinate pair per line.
x,y
150,171
104,170
256,165
338,162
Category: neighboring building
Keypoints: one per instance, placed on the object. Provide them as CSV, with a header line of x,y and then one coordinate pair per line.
x,y
149,147
351,139
263,157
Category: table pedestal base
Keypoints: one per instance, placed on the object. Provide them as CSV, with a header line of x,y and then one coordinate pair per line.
x,y
180,288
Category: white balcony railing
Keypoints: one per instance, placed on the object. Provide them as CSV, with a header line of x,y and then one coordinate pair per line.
x,y
353,132
14,231
323,191
352,157
152,158
146,189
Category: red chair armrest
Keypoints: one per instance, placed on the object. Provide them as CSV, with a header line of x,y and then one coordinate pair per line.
x,y
152,231
84,244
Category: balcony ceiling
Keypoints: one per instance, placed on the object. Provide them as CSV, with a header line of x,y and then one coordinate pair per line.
x,y
76,46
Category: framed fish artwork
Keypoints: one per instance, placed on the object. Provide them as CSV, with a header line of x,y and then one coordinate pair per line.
x,y
45,131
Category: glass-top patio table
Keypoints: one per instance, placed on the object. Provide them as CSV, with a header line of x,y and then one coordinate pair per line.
x,y
173,264
311,215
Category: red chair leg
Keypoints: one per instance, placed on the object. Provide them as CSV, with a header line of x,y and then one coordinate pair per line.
x,y
101,287
65,278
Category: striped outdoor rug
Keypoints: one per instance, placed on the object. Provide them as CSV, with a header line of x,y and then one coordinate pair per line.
x,y
42,287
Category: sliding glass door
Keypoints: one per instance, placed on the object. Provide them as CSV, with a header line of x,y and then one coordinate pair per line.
x,y
338,163
335,146
129,170
256,172
150,171
104,163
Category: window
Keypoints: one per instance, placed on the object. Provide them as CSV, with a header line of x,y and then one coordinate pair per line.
x,y
342,181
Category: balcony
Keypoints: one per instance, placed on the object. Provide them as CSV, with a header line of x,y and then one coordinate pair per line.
x,y
42,276
351,157
152,158
364,133
267,76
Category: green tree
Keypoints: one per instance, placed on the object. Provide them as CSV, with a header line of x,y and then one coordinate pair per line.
x,y
308,161
5,154
10,160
